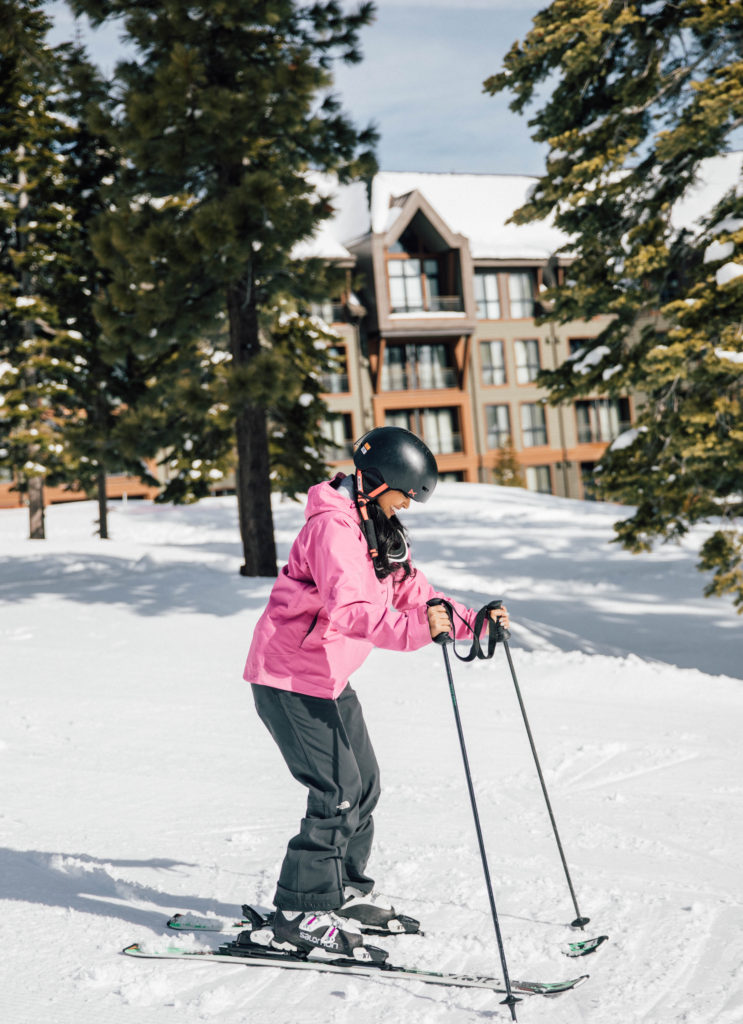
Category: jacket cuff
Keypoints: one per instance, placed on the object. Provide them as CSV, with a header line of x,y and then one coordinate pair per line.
x,y
421,632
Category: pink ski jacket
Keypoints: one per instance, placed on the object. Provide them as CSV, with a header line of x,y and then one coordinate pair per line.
x,y
328,610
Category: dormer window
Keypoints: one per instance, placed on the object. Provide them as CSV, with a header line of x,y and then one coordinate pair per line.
x,y
423,274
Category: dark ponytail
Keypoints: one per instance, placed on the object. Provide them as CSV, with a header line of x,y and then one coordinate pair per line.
x,y
392,542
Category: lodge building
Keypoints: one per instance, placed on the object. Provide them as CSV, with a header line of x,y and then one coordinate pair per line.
x,y
440,335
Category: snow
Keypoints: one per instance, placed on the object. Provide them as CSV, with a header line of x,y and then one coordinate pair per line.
x,y
478,206
474,205
137,780
592,358
718,251
717,176
728,272
729,354
625,439
321,245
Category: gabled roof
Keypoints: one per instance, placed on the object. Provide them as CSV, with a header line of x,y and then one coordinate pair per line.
x,y
402,211
474,205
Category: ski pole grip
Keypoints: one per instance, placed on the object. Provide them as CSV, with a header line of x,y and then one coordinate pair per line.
x,y
441,638
500,631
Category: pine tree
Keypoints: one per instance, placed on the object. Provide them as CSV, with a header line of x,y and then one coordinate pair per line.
x,y
641,94
61,395
507,470
222,117
101,384
34,217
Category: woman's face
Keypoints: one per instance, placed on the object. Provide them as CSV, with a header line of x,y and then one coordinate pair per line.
x,y
392,502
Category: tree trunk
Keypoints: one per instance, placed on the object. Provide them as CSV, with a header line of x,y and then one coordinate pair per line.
x,y
253,482
102,505
35,483
36,508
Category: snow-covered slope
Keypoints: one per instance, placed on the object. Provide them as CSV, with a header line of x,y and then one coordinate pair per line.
x,y
136,779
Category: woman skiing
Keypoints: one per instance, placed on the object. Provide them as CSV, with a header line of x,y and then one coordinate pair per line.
x,y
349,586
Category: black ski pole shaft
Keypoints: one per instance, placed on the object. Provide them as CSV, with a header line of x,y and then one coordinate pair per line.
x,y
443,639
579,921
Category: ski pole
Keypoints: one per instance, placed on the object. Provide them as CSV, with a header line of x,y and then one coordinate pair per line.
x,y
443,639
502,636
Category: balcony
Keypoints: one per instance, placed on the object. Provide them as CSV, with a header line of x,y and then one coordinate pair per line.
x,y
330,312
395,379
595,434
434,304
448,445
338,452
334,383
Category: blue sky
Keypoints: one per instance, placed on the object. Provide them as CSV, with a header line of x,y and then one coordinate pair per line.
x,y
420,82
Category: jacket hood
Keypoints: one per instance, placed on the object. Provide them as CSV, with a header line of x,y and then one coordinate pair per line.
x,y
326,498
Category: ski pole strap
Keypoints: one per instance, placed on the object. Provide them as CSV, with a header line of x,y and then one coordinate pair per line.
x,y
496,631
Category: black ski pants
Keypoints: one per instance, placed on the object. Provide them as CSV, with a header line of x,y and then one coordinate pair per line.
x,y
327,748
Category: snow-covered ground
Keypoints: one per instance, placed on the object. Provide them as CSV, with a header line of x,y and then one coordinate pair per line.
x,y
137,781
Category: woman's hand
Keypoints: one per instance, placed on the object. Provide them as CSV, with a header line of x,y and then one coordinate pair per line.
x,y
501,615
438,620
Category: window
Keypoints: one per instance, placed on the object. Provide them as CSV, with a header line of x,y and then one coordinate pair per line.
x,y
331,310
498,418
533,425
601,419
576,344
423,273
431,283
336,381
417,366
587,479
394,373
527,360
398,418
486,295
539,478
439,428
406,286
521,293
493,363
337,429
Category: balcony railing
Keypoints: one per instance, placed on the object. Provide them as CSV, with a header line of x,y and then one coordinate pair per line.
x,y
339,452
407,380
445,445
435,304
330,312
588,434
334,383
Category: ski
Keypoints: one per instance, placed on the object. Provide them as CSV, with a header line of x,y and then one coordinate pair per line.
x,y
253,918
584,947
231,953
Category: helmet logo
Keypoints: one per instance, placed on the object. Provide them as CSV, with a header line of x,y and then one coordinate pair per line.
x,y
412,493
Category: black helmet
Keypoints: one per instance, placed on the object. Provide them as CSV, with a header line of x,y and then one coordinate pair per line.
x,y
391,458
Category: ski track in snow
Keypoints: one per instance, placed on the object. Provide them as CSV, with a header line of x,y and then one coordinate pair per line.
x,y
136,780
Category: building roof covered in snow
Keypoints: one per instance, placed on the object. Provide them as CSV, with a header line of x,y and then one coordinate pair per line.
x,y
479,206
